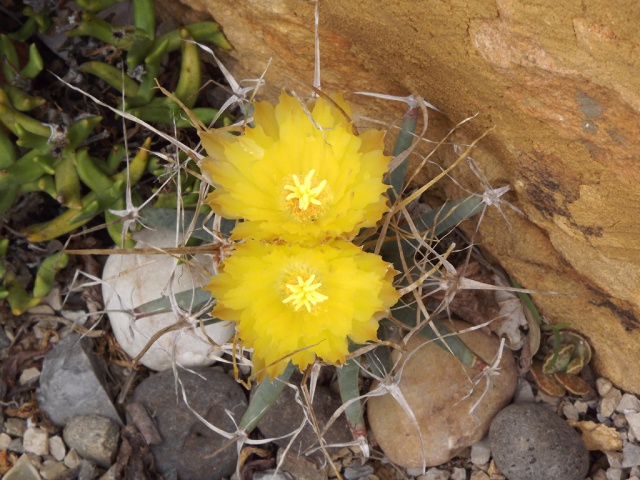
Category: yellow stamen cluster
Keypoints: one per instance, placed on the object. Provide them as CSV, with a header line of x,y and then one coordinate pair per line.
x,y
304,293
304,192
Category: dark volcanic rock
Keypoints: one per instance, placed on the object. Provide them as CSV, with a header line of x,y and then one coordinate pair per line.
x,y
187,445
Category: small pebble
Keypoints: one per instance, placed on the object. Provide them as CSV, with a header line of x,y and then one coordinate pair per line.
x,y
603,385
57,448
610,402
480,452
111,474
581,407
524,392
599,475
72,460
15,427
458,474
355,473
614,474
28,375
435,474
619,420
16,446
53,471
628,404
614,459
634,472
5,440
94,437
479,475
571,412
634,423
36,441
630,455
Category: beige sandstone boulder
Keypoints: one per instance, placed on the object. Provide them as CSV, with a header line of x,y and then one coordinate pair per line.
x,y
452,410
559,83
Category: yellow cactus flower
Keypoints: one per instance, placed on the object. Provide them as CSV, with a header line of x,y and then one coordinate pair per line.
x,y
301,173
296,303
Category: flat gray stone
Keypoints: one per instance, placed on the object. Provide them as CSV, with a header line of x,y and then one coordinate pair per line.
x,y
73,382
187,445
530,442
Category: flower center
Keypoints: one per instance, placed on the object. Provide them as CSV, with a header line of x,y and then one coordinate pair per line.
x,y
304,293
308,198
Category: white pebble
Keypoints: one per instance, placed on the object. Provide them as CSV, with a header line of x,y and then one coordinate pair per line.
x,y
628,404
28,375
581,407
524,392
72,460
36,441
630,455
480,452
610,402
603,385
634,423
571,412
5,440
57,448
614,474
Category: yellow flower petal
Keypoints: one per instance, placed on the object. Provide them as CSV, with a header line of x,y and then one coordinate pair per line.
x,y
295,303
300,174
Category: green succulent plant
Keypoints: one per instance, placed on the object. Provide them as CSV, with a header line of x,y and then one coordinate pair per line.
x,y
15,292
35,156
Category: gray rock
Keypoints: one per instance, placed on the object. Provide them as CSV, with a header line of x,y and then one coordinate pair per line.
x,y
73,382
188,446
286,415
530,442
94,438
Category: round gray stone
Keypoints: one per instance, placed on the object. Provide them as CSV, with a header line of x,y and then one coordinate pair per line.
x,y
530,442
187,446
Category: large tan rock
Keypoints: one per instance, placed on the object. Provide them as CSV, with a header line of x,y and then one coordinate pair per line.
x,y
453,405
557,80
